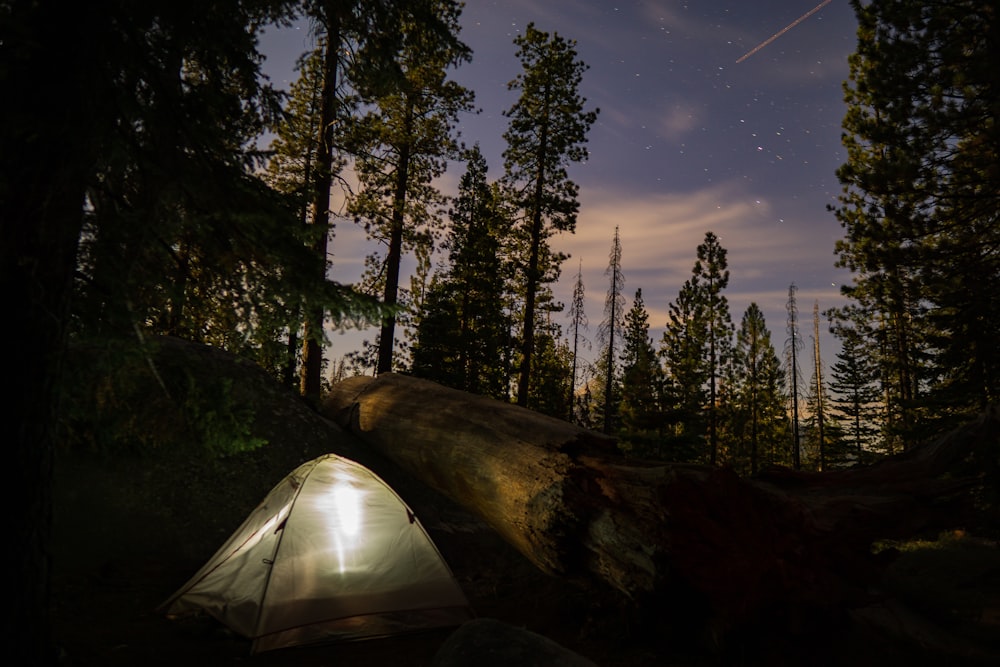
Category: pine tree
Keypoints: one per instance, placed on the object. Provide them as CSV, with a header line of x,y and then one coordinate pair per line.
x,y
463,329
639,409
549,393
759,425
403,144
547,132
117,129
585,400
438,351
711,276
857,403
730,425
819,399
609,333
179,232
291,170
294,149
793,348
696,349
318,179
821,435
686,376
919,202
578,323
819,445
358,47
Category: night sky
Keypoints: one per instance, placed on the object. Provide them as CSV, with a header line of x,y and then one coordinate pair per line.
x,y
688,140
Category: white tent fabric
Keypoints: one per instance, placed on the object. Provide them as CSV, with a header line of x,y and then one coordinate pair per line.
x,y
332,553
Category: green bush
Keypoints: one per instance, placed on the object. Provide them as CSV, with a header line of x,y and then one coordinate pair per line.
x,y
123,398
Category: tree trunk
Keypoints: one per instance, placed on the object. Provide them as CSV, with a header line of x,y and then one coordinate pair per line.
x,y
394,257
533,275
47,151
566,499
312,345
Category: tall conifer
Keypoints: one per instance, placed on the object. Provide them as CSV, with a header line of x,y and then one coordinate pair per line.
x,y
610,334
857,403
919,204
463,328
547,132
403,144
117,113
710,277
696,348
578,323
686,377
639,407
758,419
793,348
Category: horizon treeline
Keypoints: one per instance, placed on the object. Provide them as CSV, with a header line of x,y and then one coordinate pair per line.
x,y
185,226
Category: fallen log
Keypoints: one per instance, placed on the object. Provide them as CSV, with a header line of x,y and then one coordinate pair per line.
x,y
566,499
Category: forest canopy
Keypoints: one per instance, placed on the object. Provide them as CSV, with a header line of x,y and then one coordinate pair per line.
x,y
206,211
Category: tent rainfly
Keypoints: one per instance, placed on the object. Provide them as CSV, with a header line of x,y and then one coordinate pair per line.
x,y
332,553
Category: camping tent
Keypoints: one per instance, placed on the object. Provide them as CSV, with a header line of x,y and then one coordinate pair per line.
x,y
332,553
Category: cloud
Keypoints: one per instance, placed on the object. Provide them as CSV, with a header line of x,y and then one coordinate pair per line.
x,y
669,226
677,120
660,235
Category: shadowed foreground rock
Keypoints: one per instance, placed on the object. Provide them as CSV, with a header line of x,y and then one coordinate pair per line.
x,y
486,642
790,546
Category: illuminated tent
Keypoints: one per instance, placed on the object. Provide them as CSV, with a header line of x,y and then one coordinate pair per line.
x,y
332,553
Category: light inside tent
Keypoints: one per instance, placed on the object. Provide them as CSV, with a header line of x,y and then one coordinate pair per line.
x,y
347,500
343,507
